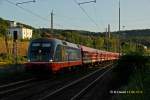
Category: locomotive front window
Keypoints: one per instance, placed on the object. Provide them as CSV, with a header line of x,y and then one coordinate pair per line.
x,y
46,45
40,51
35,44
42,46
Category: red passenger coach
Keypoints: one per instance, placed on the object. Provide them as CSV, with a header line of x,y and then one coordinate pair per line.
x,y
91,55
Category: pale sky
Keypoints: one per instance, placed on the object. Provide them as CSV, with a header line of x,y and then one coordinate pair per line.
x,y
135,14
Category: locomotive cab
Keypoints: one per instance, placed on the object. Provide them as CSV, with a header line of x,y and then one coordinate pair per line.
x,y
39,55
52,55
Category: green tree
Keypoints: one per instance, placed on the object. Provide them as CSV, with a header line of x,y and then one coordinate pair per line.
x,y
99,43
3,31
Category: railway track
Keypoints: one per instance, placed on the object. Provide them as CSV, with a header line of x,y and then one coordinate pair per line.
x,y
12,87
49,89
77,88
21,91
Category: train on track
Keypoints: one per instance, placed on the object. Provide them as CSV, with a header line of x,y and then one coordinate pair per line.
x,y
53,55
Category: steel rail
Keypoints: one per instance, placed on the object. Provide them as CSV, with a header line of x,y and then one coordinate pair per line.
x,y
14,89
71,84
11,87
88,86
15,83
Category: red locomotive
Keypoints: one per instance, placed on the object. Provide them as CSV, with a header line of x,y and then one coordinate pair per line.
x,y
54,55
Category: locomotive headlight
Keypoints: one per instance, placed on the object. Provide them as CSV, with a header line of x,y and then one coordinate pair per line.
x,y
50,60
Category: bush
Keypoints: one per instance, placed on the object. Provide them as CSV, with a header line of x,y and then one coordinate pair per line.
x,y
128,64
4,57
10,58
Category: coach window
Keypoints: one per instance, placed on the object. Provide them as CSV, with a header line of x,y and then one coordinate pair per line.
x,y
58,53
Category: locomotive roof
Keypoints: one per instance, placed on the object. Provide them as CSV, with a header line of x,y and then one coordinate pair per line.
x,y
69,44
41,40
89,49
56,41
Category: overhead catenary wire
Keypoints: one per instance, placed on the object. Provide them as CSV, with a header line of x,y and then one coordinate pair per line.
x,y
67,19
64,19
90,18
32,13
25,2
70,18
95,11
87,2
46,19
100,18
35,14
29,11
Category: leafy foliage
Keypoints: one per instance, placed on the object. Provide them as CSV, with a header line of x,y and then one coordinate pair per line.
x,y
4,57
133,72
128,64
3,27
